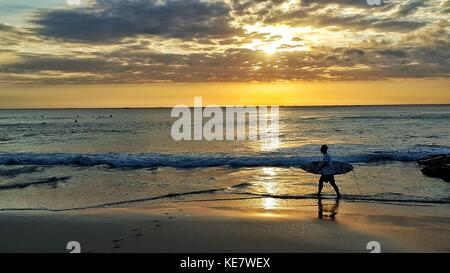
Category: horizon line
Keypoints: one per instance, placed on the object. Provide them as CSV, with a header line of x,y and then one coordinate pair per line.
x,y
168,107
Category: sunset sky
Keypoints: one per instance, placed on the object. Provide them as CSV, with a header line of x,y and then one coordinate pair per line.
x,y
138,53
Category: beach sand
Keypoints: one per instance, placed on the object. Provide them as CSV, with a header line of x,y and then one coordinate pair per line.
x,y
231,226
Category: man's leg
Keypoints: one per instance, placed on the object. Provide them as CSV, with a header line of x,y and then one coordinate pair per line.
x,y
319,191
335,187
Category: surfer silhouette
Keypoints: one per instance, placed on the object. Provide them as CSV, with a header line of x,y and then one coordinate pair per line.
x,y
327,172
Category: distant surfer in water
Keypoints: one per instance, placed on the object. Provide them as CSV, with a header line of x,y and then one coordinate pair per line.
x,y
327,172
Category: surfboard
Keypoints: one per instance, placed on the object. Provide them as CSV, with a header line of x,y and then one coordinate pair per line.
x,y
339,167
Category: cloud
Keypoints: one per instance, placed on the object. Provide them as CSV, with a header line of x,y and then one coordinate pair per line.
x,y
112,20
343,3
240,65
12,36
144,41
349,15
409,7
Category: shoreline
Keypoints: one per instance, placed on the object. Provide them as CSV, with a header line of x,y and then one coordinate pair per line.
x,y
227,226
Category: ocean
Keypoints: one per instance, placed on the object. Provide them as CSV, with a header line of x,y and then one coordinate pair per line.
x,y
69,159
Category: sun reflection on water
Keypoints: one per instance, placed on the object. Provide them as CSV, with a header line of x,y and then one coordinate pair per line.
x,y
269,182
270,145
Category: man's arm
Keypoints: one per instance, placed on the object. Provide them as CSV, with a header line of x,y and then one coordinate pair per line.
x,y
325,161
321,167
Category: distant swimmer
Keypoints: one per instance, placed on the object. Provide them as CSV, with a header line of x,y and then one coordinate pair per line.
x,y
76,121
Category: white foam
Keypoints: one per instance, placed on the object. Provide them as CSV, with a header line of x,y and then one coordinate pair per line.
x,y
181,160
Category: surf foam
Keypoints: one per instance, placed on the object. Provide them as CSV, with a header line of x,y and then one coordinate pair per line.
x,y
145,160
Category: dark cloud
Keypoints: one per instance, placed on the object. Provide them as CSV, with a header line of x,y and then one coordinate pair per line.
x,y
343,3
354,51
409,7
262,8
445,6
5,36
35,63
6,28
209,47
393,52
327,13
434,35
332,18
11,36
112,20
243,65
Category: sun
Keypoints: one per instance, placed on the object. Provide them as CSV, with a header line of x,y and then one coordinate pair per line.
x,y
269,49
275,39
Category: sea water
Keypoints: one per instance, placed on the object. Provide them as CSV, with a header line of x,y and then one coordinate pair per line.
x,y
78,158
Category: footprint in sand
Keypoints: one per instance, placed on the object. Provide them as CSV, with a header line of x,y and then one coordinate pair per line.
x,y
137,232
117,242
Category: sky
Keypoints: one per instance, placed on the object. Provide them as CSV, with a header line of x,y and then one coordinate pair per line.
x,y
143,53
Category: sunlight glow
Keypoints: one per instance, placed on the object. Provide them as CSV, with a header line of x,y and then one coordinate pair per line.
x,y
277,38
289,5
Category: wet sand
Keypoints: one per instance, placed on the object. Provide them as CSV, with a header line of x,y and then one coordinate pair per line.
x,y
227,226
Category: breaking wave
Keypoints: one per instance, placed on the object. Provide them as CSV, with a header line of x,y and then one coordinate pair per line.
x,y
185,160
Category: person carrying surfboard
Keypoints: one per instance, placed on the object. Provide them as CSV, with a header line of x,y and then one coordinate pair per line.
x,y
327,171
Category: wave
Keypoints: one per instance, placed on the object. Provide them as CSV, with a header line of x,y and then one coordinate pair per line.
x,y
443,116
398,199
185,160
5,139
20,170
52,182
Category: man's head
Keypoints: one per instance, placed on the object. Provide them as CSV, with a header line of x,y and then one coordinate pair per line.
x,y
324,149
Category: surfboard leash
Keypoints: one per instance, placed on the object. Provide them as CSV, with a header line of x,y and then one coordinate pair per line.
x,y
356,181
